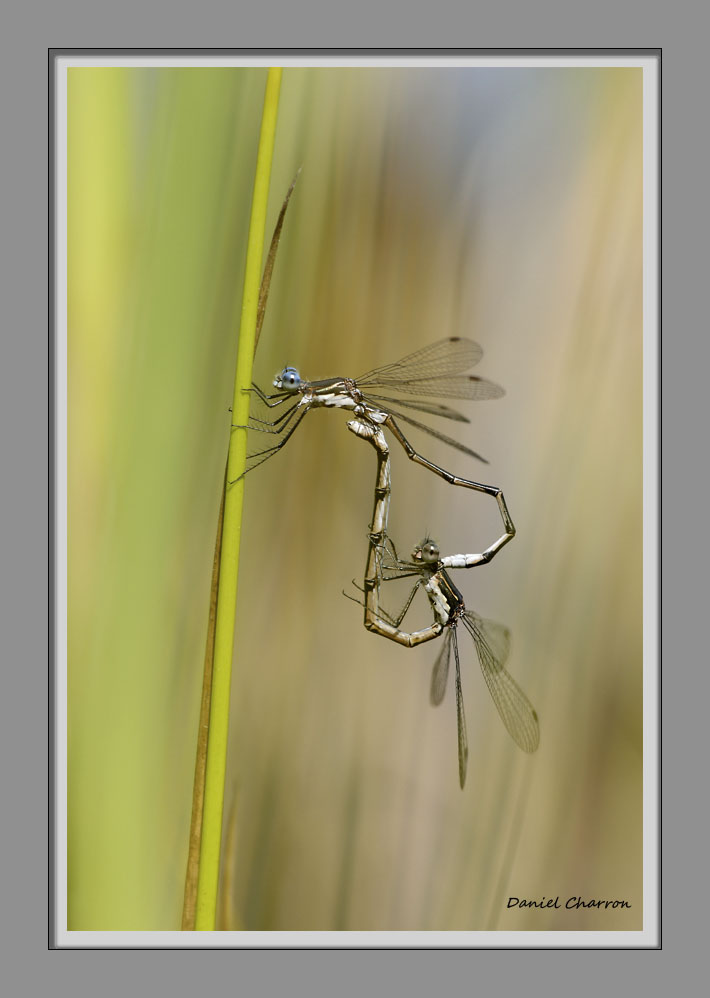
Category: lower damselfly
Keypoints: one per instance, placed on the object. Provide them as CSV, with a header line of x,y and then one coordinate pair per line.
x,y
435,370
491,640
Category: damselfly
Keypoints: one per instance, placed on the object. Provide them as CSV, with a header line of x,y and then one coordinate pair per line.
x,y
491,640
435,370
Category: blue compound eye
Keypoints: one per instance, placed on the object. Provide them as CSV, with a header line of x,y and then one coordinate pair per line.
x,y
289,380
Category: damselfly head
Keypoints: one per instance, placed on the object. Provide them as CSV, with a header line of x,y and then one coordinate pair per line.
x,y
289,380
426,551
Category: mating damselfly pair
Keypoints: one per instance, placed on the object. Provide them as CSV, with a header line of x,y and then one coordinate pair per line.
x,y
491,640
437,370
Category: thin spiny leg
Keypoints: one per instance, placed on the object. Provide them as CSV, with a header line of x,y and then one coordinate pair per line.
x,y
284,419
385,615
268,399
397,620
270,451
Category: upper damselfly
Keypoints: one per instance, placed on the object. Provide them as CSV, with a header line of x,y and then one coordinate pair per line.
x,y
375,397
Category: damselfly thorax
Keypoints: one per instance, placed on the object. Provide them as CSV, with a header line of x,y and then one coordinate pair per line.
x,y
445,599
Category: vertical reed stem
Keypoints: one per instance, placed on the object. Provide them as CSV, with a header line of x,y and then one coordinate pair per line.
x,y
208,881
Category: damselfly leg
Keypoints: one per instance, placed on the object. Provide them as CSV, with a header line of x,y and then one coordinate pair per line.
x,y
270,451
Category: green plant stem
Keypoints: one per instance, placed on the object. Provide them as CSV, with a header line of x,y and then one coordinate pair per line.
x,y
198,788
208,881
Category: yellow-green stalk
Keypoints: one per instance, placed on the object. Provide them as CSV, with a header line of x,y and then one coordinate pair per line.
x,y
208,881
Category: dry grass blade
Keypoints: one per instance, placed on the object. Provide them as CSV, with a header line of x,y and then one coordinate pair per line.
x,y
269,265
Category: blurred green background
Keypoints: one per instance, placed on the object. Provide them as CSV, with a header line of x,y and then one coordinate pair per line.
x,y
499,204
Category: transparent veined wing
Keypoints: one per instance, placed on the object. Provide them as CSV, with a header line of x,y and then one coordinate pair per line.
x,y
440,672
432,370
451,386
438,435
492,643
431,408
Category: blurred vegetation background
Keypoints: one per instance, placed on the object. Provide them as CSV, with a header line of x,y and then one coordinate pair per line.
x,y
503,205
